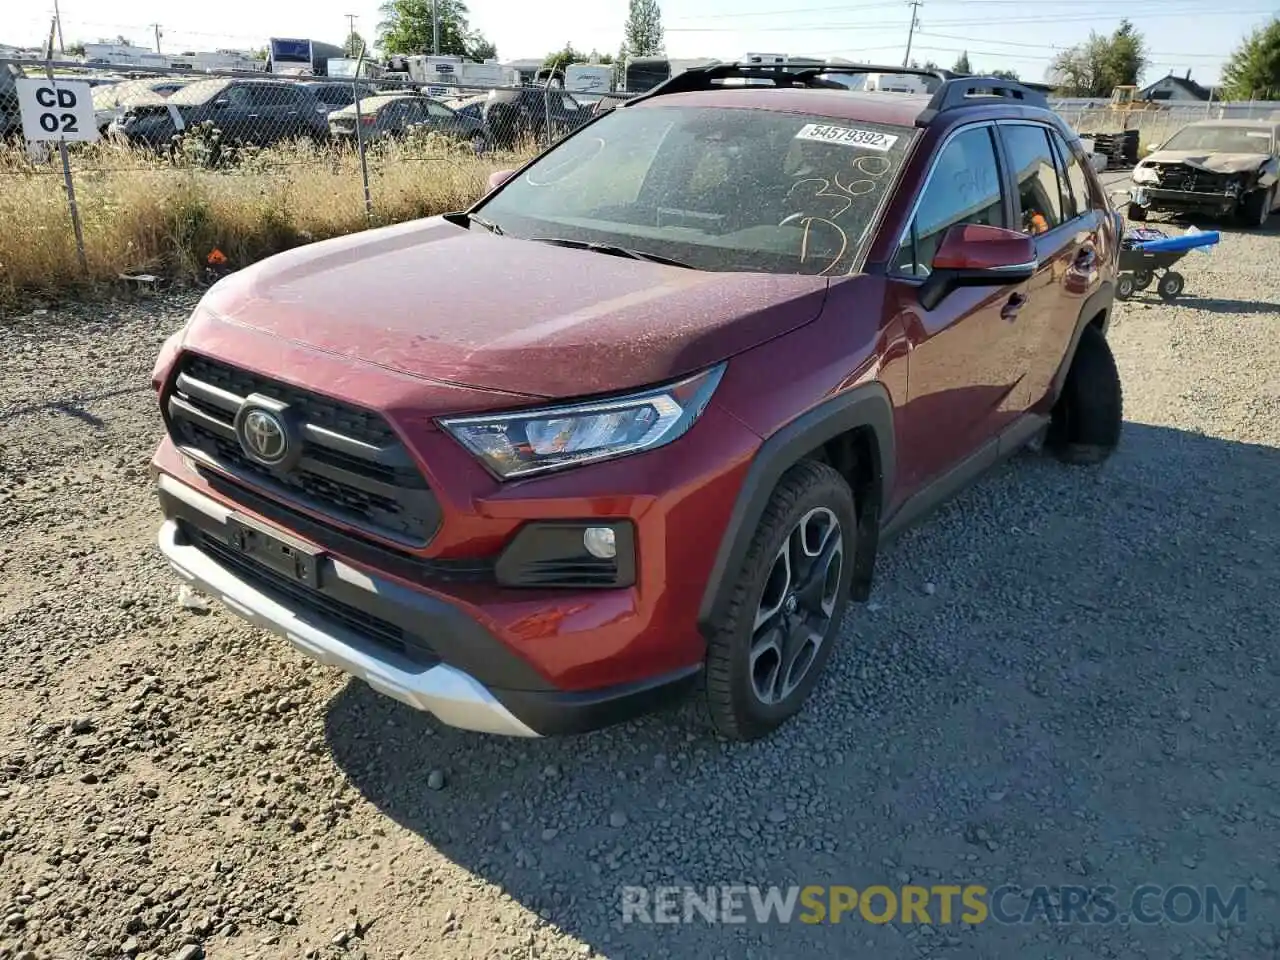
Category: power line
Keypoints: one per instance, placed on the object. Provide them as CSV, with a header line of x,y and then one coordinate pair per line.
x,y
1054,46
1162,11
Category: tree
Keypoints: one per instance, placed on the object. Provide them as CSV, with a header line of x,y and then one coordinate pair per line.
x,y
408,29
354,45
962,64
1100,64
76,49
643,30
562,58
1253,71
1005,74
482,48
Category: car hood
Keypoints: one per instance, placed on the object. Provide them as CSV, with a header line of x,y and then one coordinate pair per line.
x,y
436,300
1213,162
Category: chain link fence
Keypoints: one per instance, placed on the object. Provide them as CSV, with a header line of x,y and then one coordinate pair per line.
x,y
195,173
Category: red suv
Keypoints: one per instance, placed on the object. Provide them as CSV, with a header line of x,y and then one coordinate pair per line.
x,y
638,421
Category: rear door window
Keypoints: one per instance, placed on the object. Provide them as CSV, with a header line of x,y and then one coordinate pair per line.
x,y
1036,174
1075,184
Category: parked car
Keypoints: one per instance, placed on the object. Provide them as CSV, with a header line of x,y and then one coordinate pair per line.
x,y
394,114
638,421
335,94
111,101
1214,167
514,114
255,112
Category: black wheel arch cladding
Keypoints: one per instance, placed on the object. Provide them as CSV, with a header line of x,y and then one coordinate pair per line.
x,y
866,406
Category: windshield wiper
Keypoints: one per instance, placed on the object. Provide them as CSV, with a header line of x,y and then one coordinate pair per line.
x,y
487,224
613,250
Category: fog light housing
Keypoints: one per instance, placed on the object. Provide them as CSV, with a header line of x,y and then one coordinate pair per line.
x,y
601,542
570,554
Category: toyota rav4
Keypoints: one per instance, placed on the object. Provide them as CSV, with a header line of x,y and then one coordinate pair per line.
x,y
636,424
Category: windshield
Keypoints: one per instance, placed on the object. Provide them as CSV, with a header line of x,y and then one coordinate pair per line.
x,y
198,92
717,189
1221,139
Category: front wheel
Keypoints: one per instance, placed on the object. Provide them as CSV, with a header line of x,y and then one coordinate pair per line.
x,y
1255,207
1086,420
768,651
1125,285
1170,285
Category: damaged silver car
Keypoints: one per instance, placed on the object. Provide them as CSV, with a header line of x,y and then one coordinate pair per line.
x,y
1213,167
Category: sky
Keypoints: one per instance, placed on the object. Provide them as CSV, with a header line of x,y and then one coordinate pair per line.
x,y
1020,35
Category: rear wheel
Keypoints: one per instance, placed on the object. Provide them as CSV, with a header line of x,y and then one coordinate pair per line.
x,y
1142,279
1170,285
1137,213
1086,422
1125,286
769,649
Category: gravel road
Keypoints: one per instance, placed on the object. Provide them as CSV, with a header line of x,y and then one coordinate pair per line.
x,y
1068,676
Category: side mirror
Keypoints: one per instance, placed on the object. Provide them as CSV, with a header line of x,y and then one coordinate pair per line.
x,y
974,255
499,177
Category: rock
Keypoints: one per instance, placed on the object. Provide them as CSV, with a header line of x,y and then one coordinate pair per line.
x,y
83,725
435,780
188,599
130,947
930,589
192,951
15,921
617,819
776,815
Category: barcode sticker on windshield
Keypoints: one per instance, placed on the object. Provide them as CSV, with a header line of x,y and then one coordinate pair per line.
x,y
848,136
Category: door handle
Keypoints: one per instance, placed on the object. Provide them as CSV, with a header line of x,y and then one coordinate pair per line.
x,y
1011,307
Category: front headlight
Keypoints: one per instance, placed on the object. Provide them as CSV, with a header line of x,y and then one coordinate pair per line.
x,y
1145,175
550,438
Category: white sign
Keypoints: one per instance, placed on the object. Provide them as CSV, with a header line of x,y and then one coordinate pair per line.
x,y
56,111
847,136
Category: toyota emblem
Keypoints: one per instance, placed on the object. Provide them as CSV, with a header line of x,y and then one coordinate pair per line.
x,y
263,436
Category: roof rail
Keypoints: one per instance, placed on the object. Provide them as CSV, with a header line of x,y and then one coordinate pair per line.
x,y
806,74
963,91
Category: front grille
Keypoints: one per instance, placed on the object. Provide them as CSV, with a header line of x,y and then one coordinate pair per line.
x,y
1177,176
359,621
353,468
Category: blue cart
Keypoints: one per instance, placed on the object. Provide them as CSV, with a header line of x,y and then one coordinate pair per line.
x,y
1148,253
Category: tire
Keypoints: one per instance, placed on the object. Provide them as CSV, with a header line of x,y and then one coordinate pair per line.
x,y
744,697
1142,279
1255,207
1170,285
1136,213
1125,285
1086,421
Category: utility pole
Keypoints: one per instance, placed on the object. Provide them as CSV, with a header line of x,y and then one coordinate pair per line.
x,y
57,19
156,27
915,22
351,32
435,29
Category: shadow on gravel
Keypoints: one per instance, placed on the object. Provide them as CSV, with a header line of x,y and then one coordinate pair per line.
x,y
1217,305
70,405
1067,676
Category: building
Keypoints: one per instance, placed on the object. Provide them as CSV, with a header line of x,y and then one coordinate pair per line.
x,y
1177,90
123,55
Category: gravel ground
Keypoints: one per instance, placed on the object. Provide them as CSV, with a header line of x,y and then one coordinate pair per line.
x,y
1067,676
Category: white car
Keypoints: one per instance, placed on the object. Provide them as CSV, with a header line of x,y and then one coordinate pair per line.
x,y
111,100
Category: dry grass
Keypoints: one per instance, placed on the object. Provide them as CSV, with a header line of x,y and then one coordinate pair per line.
x,y
144,214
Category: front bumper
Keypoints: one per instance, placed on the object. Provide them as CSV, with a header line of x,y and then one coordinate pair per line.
x,y
1183,201
372,628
